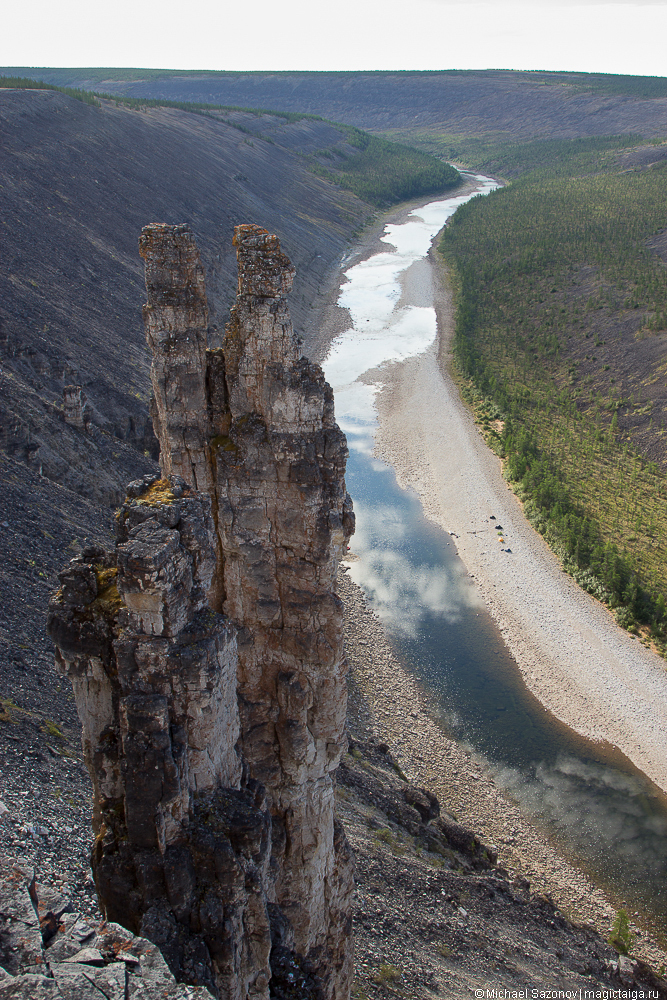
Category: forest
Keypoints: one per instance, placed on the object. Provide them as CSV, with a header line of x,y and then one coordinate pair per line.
x,y
561,318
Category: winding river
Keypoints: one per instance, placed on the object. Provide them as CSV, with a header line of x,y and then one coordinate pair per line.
x,y
598,808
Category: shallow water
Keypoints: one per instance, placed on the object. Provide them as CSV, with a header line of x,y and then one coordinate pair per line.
x,y
602,811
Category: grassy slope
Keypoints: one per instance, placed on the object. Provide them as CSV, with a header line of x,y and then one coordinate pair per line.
x,y
561,324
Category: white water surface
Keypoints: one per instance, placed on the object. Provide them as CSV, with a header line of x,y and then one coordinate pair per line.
x,y
382,331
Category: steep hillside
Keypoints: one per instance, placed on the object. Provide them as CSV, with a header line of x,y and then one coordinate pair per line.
x,y
77,183
461,102
562,331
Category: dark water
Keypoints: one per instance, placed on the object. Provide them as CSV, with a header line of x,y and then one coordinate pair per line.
x,y
601,811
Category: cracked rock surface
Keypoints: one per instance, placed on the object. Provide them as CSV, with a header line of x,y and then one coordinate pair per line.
x,y
48,952
205,652
263,443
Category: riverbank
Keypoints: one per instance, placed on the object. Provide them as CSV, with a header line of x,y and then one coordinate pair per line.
x,y
588,672
425,433
328,319
386,702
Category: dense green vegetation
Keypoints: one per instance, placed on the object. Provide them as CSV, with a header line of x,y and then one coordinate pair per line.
x,y
502,156
554,157
604,83
383,172
553,277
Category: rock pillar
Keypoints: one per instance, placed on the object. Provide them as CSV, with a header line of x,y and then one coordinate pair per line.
x,y
182,837
206,652
176,321
74,405
276,466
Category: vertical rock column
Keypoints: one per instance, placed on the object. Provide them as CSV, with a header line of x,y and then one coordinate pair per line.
x,y
182,844
176,321
74,405
283,519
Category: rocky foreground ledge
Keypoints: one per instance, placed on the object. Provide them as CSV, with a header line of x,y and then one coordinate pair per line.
x,y
48,952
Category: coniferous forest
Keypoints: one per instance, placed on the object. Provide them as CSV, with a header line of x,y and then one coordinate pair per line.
x,y
558,275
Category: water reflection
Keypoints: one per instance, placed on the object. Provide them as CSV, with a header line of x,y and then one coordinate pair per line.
x,y
604,812
623,827
406,581
606,816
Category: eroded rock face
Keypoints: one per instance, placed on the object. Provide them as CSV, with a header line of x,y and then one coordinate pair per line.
x,y
206,653
283,519
176,321
182,838
74,405
275,461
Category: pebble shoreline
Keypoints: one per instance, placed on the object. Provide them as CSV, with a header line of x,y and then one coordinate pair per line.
x,y
387,701
392,704
593,676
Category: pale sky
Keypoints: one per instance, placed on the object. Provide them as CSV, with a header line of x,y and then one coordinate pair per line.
x,y
597,36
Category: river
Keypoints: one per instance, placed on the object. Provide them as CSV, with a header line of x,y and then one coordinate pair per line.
x,y
596,806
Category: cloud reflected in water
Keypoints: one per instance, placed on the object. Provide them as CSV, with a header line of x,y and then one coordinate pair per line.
x,y
403,592
606,813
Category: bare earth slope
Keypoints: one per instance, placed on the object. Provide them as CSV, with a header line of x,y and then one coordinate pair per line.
x,y
77,183
469,102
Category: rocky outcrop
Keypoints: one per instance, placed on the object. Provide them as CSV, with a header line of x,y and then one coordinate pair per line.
x,y
206,652
182,840
48,952
74,405
176,321
267,448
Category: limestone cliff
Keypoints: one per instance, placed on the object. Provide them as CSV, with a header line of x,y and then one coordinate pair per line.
x,y
206,654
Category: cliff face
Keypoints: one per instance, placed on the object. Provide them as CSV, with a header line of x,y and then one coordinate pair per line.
x,y
206,653
263,442
182,845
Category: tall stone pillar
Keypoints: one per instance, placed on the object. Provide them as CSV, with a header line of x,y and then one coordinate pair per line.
x,y
176,322
182,836
283,518
74,405
206,652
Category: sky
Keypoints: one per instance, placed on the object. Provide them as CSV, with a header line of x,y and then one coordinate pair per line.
x,y
598,36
